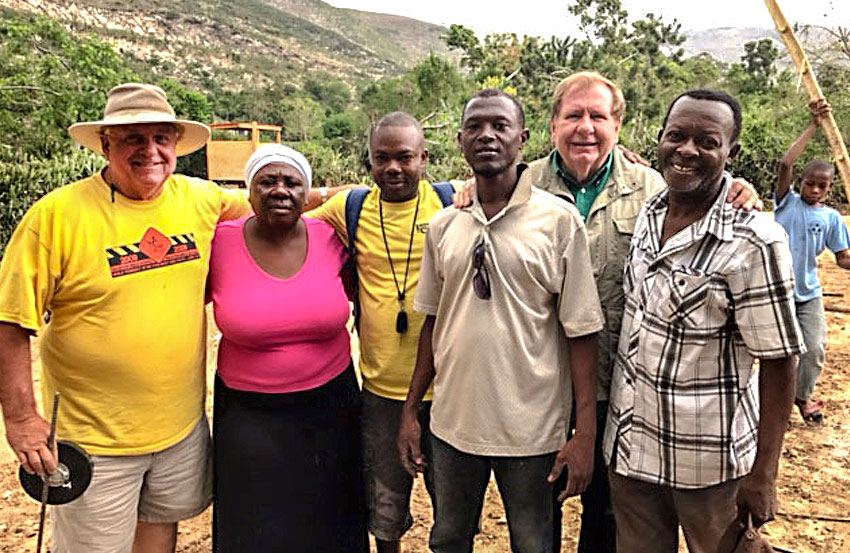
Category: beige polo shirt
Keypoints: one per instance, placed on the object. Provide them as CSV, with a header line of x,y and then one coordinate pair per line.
x,y
502,384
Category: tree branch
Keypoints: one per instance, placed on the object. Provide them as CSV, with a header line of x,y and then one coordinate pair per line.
x,y
32,88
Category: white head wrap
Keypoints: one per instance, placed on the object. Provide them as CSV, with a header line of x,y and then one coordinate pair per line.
x,y
278,153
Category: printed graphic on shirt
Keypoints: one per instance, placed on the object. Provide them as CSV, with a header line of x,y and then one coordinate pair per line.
x,y
154,250
422,228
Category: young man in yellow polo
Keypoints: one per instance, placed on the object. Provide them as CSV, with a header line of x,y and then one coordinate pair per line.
x,y
389,239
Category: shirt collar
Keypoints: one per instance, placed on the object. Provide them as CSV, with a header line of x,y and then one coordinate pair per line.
x,y
718,221
594,180
520,195
720,218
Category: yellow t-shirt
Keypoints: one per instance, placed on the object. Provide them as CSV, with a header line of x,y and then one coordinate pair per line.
x,y
387,358
117,289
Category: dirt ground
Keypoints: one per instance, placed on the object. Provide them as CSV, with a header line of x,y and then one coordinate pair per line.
x,y
814,476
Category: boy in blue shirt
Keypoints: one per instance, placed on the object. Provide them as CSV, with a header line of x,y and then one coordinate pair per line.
x,y
811,226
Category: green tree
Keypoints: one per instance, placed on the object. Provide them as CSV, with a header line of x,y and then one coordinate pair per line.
x,y
756,73
48,81
439,84
462,38
329,91
388,94
643,57
187,104
302,118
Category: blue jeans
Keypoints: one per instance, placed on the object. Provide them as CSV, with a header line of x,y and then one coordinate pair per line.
x,y
460,480
812,322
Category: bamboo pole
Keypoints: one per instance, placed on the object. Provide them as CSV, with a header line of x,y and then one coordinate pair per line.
x,y
798,56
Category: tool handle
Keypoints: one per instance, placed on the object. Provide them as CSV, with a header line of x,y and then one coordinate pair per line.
x,y
52,435
45,488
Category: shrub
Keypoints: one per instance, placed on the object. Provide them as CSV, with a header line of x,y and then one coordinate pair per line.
x,y
28,178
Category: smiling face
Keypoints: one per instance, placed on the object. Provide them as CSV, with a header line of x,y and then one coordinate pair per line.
x,y
491,135
585,130
695,145
397,155
815,184
141,157
277,194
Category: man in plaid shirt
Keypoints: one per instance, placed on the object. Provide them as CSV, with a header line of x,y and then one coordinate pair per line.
x,y
708,289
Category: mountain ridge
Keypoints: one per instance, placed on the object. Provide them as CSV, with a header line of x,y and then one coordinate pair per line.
x,y
262,41
248,39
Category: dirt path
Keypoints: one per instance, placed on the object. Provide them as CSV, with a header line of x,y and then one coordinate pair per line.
x,y
814,481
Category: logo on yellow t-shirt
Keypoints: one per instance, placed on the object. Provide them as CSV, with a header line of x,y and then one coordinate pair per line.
x,y
152,251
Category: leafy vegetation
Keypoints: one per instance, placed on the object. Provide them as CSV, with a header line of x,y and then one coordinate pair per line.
x,y
27,179
51,78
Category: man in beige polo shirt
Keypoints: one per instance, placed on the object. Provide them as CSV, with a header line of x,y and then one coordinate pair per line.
x,y
511,316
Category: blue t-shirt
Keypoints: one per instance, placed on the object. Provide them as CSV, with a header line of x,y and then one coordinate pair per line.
x,y
809,229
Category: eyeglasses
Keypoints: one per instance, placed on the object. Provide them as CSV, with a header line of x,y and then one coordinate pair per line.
x,y
481,278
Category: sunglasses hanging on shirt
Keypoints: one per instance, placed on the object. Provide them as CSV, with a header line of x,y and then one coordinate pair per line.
x,y
481,277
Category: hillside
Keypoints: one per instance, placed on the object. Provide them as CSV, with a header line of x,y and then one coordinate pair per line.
x,y
246,40
726,43
274,40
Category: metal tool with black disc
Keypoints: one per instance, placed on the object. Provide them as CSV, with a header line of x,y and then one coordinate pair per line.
x,y
68,482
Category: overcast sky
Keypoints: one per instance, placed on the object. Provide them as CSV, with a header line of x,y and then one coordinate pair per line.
x,y
547,17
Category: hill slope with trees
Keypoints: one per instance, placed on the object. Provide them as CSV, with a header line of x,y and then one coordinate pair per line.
x,y
54,72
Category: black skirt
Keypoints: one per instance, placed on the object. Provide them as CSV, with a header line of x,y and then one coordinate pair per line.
x,y
287,470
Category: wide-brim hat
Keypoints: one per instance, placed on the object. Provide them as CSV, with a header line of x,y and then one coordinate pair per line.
x,y
134,103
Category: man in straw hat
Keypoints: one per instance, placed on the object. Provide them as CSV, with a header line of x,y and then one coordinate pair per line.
x,y
110,271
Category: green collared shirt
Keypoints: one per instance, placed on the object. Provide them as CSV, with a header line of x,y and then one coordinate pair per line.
x,y
584,193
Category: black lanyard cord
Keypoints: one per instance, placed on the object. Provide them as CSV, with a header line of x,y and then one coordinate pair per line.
x,y
401,318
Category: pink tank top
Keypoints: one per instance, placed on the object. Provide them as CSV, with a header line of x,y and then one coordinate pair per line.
x,y
279,335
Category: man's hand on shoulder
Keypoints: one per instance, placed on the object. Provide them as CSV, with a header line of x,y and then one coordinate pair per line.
x,y
632,157
320,195
743,195
463,197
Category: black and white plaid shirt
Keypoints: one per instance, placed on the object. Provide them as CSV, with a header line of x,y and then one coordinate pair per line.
x,y
684,400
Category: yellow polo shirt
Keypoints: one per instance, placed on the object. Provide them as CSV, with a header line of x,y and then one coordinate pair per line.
x,y
387,358
122,286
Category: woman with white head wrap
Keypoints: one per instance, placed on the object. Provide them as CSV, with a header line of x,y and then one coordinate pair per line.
x,y
278,153
286,420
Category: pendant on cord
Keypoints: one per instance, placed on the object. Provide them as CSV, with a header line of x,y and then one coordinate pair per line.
x,y
401,318
401,321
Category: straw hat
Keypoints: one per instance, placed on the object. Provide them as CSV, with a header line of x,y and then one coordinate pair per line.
x,y
132,103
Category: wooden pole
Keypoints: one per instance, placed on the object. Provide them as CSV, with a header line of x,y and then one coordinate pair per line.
x,y
798,56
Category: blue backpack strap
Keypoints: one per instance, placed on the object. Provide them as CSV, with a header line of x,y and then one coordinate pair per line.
x,y
444,190
353,205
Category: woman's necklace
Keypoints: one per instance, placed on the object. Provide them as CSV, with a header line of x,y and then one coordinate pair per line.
x,y
401,318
